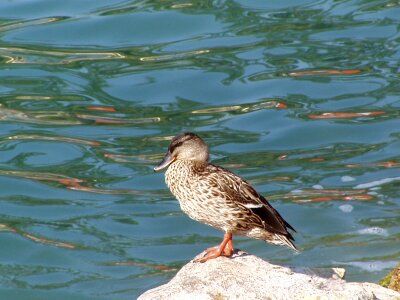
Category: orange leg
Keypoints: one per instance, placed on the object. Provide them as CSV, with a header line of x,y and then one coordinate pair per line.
x,y
224,249
228,251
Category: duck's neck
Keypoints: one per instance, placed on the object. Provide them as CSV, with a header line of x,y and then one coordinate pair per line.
x,y
182,171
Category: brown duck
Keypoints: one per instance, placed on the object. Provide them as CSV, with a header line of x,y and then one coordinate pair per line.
x,y
217,197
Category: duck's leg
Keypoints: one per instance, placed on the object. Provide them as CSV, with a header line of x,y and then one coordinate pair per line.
x,y
228,251
224,249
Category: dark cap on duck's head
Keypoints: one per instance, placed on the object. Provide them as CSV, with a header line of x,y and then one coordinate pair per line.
x,y
185,146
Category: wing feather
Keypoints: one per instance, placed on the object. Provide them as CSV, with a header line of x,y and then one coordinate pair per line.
x,y
272,220
249,199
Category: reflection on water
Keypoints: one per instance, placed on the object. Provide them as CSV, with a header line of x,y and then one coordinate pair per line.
x,y
300,98
45,57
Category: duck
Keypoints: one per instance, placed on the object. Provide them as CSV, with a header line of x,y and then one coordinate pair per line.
x,y
215,196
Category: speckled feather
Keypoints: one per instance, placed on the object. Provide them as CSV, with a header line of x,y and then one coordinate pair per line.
x,y
217,197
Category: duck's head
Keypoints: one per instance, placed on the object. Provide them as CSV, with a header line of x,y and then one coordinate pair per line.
x,y
186,146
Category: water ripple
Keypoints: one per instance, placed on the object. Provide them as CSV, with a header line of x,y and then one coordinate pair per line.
x,y
299,98
46,57
30,23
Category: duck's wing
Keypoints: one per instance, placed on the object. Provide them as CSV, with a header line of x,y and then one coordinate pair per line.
x,y
244,195
258,205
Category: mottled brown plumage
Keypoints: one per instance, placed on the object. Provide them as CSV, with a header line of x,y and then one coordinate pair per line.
x,y
217,197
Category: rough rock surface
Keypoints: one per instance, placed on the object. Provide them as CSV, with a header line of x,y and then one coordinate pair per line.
x,y
249,277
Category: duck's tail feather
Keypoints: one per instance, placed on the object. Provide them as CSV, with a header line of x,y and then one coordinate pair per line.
x,y
286,241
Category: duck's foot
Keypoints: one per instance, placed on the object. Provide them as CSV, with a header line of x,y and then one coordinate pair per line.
x,y
224,249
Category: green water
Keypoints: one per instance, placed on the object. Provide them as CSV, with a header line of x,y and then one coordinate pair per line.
x,y
301,98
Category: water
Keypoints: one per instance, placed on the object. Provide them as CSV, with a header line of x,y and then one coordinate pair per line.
x,y
299,97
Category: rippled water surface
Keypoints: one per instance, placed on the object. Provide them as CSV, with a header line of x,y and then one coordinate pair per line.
x,y
301,98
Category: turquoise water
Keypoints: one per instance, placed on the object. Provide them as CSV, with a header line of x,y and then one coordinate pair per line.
x,y
299,97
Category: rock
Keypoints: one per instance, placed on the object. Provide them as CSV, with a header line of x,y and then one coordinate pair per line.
x,y
249,277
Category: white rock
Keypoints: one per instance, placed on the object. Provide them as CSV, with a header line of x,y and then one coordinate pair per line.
x,y
249,277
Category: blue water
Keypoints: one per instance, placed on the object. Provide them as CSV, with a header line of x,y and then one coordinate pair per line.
x,y
301,98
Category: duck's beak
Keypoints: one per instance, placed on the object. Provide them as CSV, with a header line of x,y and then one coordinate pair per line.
x,y
167,160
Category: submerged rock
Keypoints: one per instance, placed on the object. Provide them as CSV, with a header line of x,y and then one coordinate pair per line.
x,y
249,277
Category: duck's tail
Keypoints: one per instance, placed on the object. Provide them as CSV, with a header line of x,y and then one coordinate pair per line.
x,y
286,241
